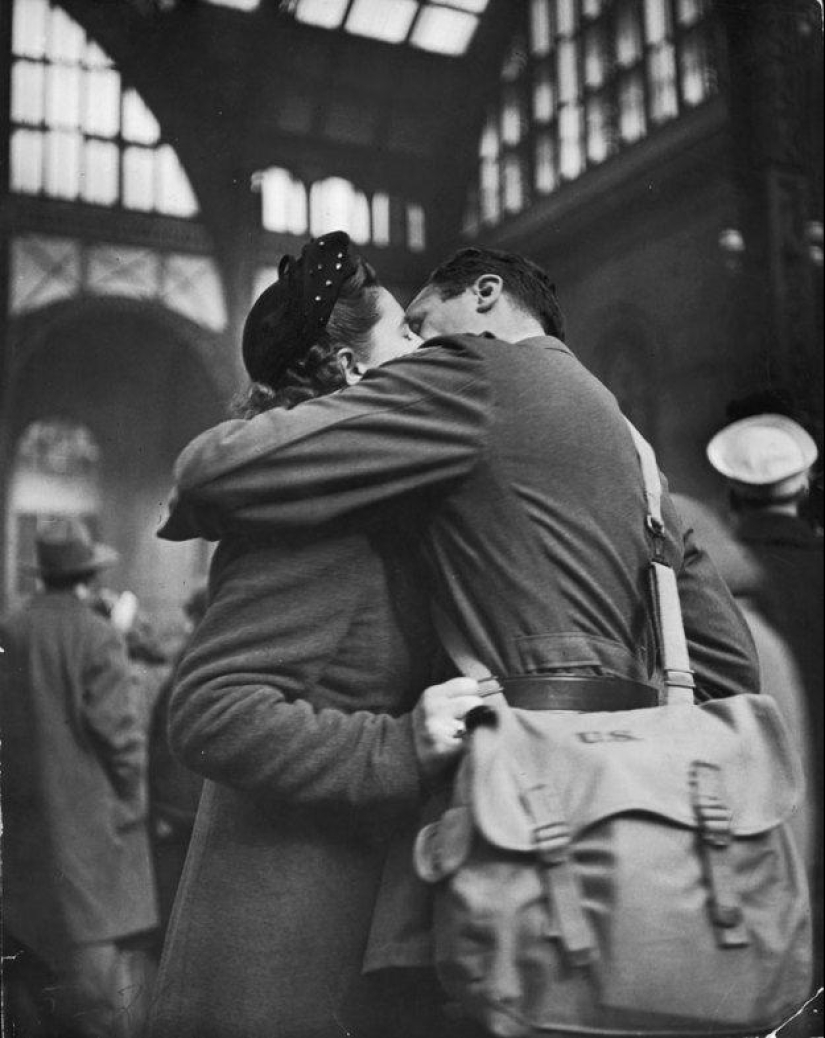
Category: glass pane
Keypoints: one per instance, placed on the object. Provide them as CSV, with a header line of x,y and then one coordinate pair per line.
x,y
139,125
63,96
43,270
416,232
326,13
571,159
546,178
489,145
275,199
443,31
657,21
595,58
28,85
698,80
566,14
359,221
139,179
599,135
27,161
298,216
380,218
512,125
474,6
239,5
101,115
490,206
95,57
100,181
29,28
513,184
628,35
568,72
544,96
175,196
330,205
63,164
632,120
662,71
690,11
67,40
541,28
388,20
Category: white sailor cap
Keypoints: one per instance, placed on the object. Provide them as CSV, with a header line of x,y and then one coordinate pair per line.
x,y
765,455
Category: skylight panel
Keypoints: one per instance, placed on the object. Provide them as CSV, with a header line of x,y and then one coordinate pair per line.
x,y
328,14
240,5
473,6
444,30
388,20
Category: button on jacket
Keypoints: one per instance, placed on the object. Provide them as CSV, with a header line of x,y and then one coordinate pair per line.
x,y
519,470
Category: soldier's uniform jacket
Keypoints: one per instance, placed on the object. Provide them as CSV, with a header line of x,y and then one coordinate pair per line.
x,y
519,471
76,864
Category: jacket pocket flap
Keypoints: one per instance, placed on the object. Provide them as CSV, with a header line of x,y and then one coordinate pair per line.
x,y
596,766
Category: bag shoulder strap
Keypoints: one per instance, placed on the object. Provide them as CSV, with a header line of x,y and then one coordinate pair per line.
x,y
667,610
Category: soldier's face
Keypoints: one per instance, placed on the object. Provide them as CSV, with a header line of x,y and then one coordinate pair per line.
x,y
428,314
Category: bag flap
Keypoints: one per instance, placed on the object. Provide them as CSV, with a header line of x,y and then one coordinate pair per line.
x,y
604,764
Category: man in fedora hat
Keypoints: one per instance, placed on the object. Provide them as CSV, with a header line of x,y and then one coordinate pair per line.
x,y
78,889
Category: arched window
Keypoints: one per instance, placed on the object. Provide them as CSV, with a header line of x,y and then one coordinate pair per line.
x,y
56,472
78,132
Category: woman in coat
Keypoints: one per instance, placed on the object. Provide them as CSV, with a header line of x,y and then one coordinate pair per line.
x,y
294,700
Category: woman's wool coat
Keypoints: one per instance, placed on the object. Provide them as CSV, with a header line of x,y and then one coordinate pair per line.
x,y
287,700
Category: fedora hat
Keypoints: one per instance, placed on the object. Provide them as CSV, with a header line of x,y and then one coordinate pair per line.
x,y
65,548
766,455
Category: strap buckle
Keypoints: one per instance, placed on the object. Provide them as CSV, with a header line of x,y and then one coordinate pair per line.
x,y
552,840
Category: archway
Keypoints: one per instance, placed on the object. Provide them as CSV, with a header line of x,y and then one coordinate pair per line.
x,y
140,382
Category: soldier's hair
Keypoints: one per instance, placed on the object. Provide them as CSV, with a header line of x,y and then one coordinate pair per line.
x,y
524,281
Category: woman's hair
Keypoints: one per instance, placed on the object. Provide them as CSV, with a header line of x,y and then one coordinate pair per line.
x,y
318,371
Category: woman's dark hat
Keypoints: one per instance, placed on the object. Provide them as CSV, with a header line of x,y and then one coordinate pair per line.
x,y
65,548
287,317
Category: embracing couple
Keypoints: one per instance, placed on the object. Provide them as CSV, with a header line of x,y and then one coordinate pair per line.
x,y
455,455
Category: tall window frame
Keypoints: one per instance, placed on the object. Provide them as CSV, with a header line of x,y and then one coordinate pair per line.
x,y
79,132
583,81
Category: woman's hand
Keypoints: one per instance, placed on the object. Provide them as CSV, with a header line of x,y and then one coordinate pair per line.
x,y
438,722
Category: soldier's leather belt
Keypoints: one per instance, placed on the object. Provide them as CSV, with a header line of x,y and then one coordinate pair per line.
x,y
585,694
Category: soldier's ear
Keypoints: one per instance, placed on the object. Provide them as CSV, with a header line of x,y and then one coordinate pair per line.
x,y
487,289
352,370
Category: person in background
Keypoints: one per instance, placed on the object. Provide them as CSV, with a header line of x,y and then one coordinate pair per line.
x,y
777,578
78,896
149,659
174,791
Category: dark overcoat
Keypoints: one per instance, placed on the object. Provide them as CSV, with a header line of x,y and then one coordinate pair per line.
x,y
286,700
76,861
